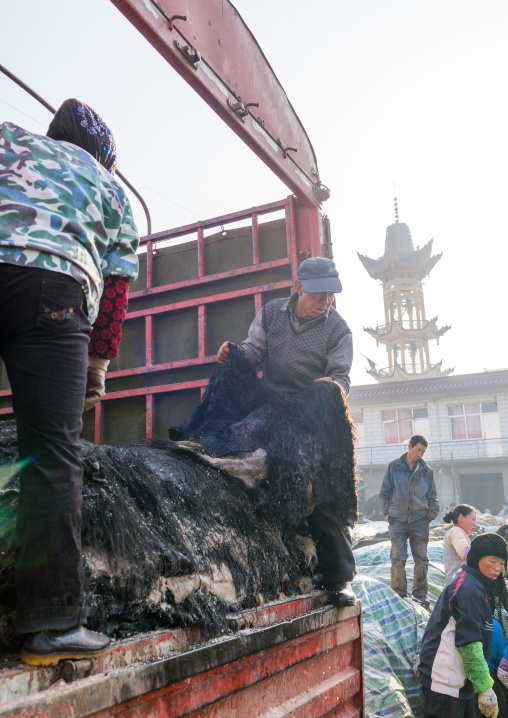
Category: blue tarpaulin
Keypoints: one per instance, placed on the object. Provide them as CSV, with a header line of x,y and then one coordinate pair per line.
x,y
393,629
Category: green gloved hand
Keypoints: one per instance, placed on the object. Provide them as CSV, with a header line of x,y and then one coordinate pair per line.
x,y
95,381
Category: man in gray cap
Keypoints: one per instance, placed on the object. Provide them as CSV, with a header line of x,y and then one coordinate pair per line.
x,y
302,340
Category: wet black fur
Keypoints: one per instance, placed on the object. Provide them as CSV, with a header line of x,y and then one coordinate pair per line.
x,y
308,437
151,513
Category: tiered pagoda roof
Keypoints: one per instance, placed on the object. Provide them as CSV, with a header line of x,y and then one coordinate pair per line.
x,y
401,260
398,373
407,334
405,329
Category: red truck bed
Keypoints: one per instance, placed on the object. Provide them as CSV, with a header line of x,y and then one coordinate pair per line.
x,y
296,658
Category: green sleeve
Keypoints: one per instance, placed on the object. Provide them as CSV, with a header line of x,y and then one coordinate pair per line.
x,y
476,667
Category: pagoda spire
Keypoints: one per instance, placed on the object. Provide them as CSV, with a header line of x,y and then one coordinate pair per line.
x,y
407,331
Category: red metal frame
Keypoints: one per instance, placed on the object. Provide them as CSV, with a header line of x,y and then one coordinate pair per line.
x,y
303,240
198,230
201,301
299,658
219,74
206,42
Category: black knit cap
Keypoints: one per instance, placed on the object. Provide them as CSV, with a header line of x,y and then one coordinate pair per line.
x,y
486,545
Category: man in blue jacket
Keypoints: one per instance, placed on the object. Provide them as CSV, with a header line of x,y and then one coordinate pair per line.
x,y
409,503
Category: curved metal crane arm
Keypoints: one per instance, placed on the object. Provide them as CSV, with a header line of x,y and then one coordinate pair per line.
x,y
209,45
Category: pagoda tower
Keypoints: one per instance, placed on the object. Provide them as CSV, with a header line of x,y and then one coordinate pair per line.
x,y
406,332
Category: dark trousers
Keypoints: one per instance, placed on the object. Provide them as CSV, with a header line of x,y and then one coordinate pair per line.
x,y
44,334
438,705
333,544
418,534
501,695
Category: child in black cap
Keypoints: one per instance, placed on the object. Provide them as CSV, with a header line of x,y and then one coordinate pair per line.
x,y
457,641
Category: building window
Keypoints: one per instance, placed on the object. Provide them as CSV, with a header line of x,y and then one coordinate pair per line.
x,y
357,419
474,421
400,424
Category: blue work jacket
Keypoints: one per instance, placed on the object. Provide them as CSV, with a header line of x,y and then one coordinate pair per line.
x,y
409,498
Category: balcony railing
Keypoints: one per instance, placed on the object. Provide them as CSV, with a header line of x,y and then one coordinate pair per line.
x,y
406,324
471,449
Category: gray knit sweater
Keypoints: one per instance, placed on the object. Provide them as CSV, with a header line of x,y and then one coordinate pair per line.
x,y
294,356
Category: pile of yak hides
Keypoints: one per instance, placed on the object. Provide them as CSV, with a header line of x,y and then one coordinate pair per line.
x,y
308,438
168,540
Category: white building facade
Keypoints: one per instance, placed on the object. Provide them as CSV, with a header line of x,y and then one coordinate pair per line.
x,y
465,420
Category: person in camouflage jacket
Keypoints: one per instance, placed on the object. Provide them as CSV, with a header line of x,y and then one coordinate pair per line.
x,y
67,251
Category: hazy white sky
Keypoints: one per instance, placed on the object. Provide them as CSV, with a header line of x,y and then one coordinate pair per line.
x,y
398,97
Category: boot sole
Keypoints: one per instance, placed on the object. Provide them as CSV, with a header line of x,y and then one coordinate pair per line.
x,y
425,605
51,659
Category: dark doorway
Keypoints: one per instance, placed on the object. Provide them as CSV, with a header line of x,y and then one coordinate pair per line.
x,y
483,491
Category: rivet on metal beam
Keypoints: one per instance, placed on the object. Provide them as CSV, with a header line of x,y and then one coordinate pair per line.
x,y
176,17
190,53
288,149
241,109
73,670
238,623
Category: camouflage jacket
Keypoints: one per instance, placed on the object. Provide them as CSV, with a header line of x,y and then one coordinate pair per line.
x,y
61,210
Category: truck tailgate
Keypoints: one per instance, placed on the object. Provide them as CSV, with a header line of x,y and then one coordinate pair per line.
x,y
291,658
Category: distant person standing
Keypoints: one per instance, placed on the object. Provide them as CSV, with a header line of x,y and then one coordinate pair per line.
x,y
456,541
409,503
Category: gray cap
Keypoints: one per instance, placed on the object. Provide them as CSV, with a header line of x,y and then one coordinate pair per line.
x,y
318,274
